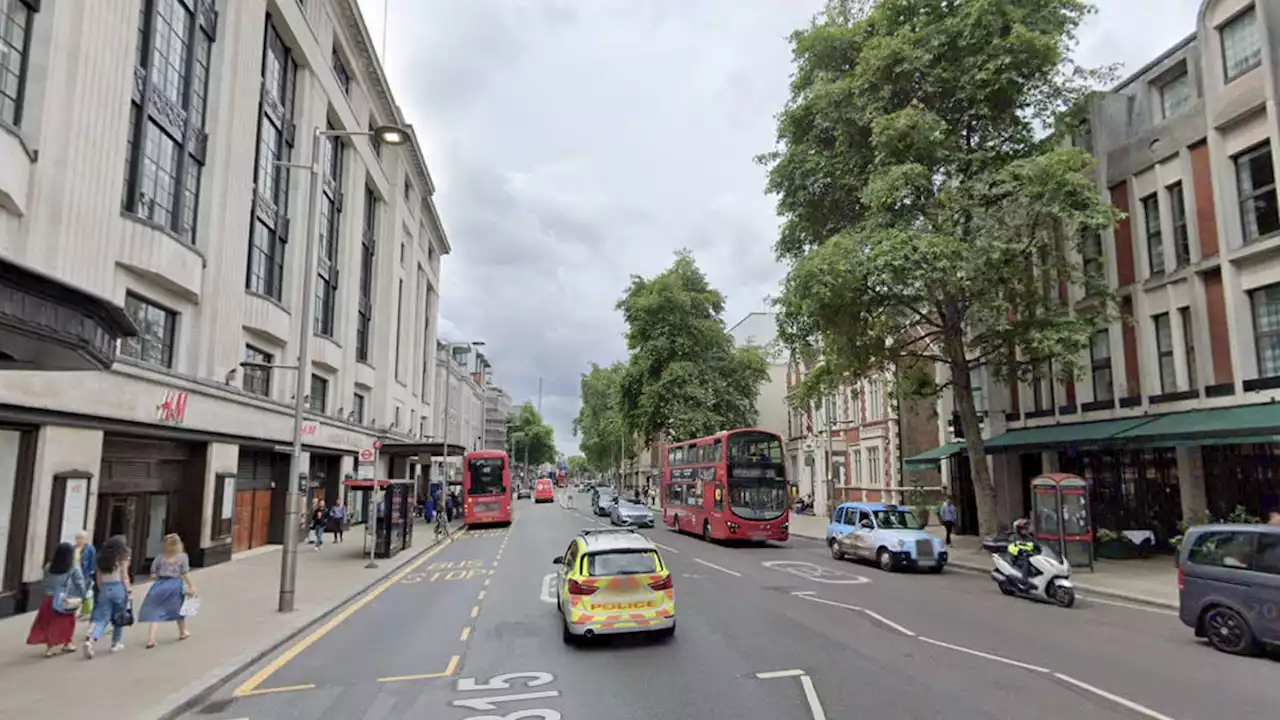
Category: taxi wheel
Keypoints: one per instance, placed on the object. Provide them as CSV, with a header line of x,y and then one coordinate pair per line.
x,y
885,560
835,550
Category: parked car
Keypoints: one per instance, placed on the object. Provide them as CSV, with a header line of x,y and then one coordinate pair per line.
x,y
1229,585
888,534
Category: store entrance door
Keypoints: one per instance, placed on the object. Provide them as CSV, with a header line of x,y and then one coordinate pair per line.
x,y
143,519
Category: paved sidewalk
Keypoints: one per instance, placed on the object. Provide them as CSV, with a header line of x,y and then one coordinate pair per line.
x,y
238,622
1150,581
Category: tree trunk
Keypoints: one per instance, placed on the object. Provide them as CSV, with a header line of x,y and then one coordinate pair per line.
x,y
984,489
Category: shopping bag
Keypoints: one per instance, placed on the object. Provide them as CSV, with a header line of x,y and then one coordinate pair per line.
x,y
86,607
190,606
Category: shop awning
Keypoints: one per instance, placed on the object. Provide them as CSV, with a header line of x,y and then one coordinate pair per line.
x,y
1219,426
1065,435
930,459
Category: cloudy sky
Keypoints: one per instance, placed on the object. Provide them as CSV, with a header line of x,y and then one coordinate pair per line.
x,y
576,142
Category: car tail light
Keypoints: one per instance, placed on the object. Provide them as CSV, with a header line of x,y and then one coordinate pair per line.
x,y
577,588
665,583
1182,580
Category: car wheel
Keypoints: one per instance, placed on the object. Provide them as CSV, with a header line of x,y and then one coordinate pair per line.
x,y
567,637
1228,631
706,530
835,549
884,559
667,633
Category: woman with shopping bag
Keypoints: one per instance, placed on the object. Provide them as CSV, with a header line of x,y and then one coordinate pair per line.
x,y
170,589
64,591
86,556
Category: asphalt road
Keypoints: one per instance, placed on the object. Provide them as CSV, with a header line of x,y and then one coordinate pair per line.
x,y
468,622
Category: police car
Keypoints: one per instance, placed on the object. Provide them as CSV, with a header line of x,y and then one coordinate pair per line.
x,y
614,581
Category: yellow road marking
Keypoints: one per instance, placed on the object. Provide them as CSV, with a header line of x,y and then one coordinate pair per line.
x,y
453,665
475,611
466,633
251,685
268,691
480,596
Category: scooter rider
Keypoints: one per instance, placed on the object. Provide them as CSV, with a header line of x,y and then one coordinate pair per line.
x,y
1022,545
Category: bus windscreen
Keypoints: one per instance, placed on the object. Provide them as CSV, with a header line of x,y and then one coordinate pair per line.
x,y
757,484
486,476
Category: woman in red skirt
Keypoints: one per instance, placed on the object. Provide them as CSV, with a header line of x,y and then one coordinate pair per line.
x,y
64,590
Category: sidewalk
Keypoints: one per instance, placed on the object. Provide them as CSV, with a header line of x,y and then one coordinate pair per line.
x,y
1150,582
238,623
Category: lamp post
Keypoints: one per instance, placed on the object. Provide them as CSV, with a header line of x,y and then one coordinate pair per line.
x,y
448,383
389,135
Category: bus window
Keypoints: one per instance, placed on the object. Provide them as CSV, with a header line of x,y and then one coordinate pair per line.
x,y
486,476
719,451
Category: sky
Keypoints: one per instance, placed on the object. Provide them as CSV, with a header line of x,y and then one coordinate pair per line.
x,y
574,143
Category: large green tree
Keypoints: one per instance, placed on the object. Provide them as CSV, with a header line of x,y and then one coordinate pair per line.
x,y
577,465
526,429
929,214
684,377
602,434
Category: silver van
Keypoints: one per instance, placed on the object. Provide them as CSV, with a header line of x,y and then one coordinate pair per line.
x,y
1229,585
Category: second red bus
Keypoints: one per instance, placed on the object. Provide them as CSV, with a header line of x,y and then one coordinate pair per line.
x,y
727,486
486,488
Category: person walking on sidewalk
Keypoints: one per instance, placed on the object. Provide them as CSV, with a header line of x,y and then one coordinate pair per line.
x,y
86,558
64,591
114,587
171,587
947,514
338,515
319,519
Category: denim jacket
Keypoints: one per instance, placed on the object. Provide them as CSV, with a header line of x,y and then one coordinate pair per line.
x,y
89,563
72,581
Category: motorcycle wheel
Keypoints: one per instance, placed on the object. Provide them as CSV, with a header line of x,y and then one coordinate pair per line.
x,y
1064,597
1006,589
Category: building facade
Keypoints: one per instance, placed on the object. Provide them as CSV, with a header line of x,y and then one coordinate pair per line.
x,y
459,421
1176,418
142,144
497,410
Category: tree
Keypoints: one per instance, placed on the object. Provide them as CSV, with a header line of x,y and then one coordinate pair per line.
x,y
527,430
928,218
577,465
603,436
684,378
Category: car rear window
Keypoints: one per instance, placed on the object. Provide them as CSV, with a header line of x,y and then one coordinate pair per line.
x,y
622,563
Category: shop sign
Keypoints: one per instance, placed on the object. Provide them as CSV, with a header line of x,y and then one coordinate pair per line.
x,y
173,408
309,429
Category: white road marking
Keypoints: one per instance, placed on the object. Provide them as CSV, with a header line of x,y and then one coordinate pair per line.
x,y
870,613
988,656
779,674
548,594
816,573
1131,606
1140,709
487,703
811,694
668,549
713,566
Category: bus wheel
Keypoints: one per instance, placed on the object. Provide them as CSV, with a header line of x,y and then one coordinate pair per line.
x,y
706,530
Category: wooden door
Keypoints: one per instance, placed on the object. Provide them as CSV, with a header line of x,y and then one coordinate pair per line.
x,y
242,532
261,517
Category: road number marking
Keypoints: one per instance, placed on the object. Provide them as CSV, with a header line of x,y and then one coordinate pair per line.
x,y
487,703
548,594
816,573
501,682
542,714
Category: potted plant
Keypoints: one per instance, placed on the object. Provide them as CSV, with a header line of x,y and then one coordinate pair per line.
x,y
1112,545
917,498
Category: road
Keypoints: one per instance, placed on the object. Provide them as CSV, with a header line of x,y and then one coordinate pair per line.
x,y
842,641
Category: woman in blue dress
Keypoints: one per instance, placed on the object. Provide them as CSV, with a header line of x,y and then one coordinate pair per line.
x,y
170,587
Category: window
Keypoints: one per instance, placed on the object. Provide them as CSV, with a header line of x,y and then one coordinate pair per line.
x,y
1189,347
1181,236
1042,386
1241,45
269,233
1155,242
875,401
855,468
1266,329
257,380
16,17
1164,351
1223,548
978,394
873,467
408,190
340,72
399,317
1091,253
357,408
330,226
156,329
1175,95
1256,183
426,346
166,143
1100,358
374,142
368,241
319,397
224,505
1266,556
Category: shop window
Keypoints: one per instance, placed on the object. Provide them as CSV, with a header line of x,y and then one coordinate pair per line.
x,y
319,397
1155,240
157,327
1241,44
1266,329
224,504
1100,359
16,18
257,379
1164,350
1181,236
1256,183
1189,347
1175,95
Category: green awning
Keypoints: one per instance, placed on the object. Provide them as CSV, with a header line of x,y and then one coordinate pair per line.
x,y
930,459
1066,434
1219,426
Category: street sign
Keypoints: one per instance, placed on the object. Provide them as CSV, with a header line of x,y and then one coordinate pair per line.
x,y
366,455
377,444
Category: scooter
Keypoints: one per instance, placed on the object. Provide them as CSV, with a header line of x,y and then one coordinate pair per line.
x,y
1049,581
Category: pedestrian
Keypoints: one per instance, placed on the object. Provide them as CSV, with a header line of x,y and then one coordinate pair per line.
x,y
169,590
64,591
111,606
86,558
1273,517
947,514
338,514
448,507
319,518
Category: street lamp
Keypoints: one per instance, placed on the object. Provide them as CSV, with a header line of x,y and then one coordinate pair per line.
x,y
448,383
388,135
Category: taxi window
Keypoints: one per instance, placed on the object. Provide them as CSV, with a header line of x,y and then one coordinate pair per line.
x,y
622,563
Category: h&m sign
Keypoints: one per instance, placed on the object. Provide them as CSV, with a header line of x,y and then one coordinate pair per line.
x,y
173,407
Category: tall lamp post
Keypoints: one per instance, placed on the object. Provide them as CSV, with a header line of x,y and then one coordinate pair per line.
x,y
389,135
448,383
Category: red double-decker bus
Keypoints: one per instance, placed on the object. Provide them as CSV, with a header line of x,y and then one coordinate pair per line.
x,y
728,486
486,488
